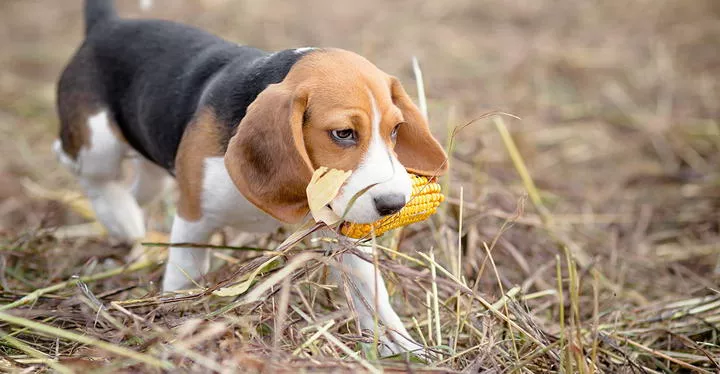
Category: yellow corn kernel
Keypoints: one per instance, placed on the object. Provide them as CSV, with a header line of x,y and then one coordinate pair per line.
x,y
424,201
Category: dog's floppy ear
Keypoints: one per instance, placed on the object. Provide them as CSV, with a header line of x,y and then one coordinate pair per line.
x,y
267,159
416,147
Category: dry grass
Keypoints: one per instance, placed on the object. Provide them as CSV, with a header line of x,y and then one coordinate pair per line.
x,y
582,238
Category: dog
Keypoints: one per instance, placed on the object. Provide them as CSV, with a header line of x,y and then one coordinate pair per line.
x,y
241,131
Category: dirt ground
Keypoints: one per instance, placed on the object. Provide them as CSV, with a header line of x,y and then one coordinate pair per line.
x,y
620,130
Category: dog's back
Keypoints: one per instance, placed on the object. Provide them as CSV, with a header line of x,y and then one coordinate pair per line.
x,y
147,74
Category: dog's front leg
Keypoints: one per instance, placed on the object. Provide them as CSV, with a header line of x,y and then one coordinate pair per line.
x,y
368,292
187,264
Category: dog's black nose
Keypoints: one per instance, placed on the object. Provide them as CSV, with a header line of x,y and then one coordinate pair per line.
x,y
389,204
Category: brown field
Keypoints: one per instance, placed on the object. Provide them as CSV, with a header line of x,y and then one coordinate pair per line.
x,y
610,263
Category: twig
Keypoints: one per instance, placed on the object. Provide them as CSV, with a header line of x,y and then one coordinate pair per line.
x,y
32,352
65,334
33,296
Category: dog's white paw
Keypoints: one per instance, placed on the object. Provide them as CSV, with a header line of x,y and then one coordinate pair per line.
x,y
392,344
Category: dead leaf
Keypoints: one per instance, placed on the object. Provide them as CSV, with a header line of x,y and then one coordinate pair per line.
x,y
322,189
242,287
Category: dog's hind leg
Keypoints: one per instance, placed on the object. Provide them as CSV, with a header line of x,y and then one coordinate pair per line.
x,y
149,182
97,164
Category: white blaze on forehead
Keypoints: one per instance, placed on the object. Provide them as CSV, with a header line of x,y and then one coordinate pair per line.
x,y
380,168
303,49
378,154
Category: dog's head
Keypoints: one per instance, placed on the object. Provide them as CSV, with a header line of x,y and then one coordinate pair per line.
x,y
333,109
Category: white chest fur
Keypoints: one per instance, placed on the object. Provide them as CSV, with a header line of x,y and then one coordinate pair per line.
x,y
223,204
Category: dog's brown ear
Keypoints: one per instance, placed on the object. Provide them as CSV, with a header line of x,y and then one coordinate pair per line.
x,y
267,159
416,147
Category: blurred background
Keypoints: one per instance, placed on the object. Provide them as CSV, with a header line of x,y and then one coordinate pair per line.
x,y
619,100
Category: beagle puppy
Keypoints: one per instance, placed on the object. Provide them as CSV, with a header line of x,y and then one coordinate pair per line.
x,y
241,130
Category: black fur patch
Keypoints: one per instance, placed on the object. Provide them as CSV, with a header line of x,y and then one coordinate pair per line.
x,y
154,75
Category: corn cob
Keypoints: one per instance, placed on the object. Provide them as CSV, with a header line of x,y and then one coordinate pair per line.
x,y
424,201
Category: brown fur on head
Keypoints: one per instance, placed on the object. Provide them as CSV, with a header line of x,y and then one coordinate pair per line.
x,y
285,134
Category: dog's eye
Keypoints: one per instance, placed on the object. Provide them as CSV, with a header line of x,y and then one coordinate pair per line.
x,y
393,134
344,136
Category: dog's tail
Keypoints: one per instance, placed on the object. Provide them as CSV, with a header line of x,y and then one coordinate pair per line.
x,y
97,11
